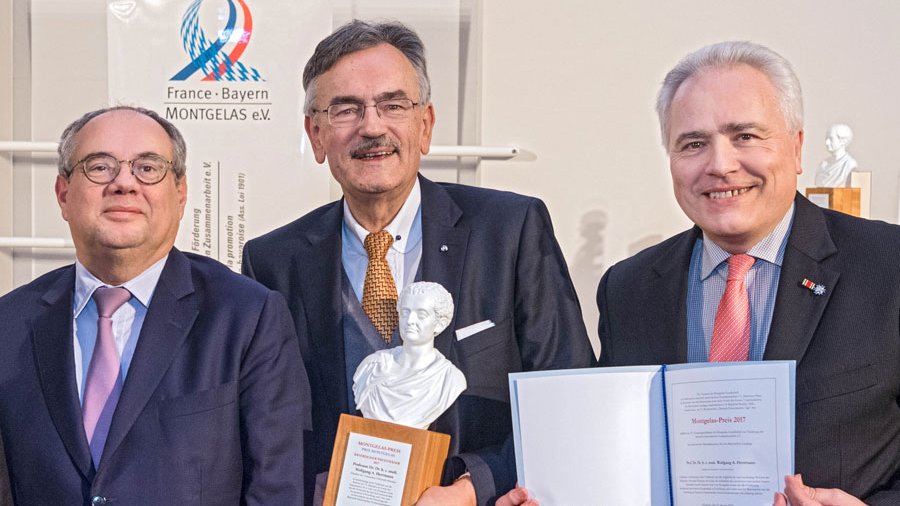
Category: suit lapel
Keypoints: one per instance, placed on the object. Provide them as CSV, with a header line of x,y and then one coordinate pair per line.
x,y
318,271
797,309
169,319
668,334
52,337
444,247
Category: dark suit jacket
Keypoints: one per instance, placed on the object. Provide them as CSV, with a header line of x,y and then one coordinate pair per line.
x,y
501,263
846,342
211,412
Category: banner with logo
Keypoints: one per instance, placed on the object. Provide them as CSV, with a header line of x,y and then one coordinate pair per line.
x,y
228,74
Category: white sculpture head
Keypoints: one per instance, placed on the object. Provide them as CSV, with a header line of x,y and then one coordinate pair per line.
x,y
425,311
839,136
411,384
835,171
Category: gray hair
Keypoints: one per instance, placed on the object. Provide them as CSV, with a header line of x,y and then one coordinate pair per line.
x,y
356,36
443,301
67,143
729,54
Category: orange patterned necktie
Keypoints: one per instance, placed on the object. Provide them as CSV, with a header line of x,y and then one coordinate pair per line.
x,y
731,330
379,299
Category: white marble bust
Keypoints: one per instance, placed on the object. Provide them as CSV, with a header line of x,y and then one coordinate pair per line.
x,y
835,170
412,384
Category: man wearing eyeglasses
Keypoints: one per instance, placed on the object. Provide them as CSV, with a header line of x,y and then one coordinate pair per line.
x,y
142,375
368,113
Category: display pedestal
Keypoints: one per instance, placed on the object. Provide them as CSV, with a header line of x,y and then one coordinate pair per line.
x,y
845,200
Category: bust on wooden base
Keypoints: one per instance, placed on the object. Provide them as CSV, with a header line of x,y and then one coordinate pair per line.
x,y
388,458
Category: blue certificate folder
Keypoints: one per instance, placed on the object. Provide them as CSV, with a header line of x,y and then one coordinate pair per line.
x,y
676,435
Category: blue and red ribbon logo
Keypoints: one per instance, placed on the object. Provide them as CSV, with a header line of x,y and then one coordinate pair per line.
x,y
212,59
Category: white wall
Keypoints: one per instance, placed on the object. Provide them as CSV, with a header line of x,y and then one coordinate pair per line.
x,y
575,82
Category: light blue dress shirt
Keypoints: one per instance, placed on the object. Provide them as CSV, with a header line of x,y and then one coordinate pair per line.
x,y
127,320
706,284
403,256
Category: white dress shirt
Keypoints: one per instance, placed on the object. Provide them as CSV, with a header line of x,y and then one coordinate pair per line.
x,y
405,253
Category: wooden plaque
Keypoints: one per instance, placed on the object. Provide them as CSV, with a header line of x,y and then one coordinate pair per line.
x,y
426,459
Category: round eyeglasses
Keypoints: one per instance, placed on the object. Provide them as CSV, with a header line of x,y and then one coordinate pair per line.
x,y
103,169
351,114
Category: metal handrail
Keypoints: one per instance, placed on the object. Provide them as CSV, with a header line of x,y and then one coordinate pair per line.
x,y
32,242
35,147
498,153
35,242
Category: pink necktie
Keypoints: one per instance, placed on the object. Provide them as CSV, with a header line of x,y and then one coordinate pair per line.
x,y
731,331
104,383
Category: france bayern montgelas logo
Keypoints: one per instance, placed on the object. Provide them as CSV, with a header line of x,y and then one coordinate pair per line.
x,y
217,59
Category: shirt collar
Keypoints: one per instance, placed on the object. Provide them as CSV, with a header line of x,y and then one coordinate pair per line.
x,y
770,248
141,287
400,226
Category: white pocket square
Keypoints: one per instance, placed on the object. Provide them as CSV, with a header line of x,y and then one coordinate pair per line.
x,y
473,329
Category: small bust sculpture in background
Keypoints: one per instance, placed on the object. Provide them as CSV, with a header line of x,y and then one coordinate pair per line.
x,y
412,384
835,171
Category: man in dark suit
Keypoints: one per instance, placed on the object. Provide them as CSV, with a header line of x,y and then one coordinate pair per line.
x,y
368,114
190,389
823,288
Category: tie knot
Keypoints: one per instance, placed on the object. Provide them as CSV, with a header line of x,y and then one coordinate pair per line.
x,y
377,244
110,299
738,265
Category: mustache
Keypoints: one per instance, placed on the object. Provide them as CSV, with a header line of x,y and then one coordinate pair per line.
x,y
371,143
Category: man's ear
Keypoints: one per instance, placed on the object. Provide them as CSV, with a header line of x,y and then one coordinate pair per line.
x,y
181,188
427,129
314,132
62,195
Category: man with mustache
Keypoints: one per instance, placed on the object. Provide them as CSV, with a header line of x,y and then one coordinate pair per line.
x,y
341,266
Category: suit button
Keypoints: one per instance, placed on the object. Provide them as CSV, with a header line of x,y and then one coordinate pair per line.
x,y
98,500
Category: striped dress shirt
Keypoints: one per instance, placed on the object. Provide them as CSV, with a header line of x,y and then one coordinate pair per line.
x,y
706,284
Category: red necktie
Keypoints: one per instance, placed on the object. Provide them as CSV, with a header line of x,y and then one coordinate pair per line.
x,y
104,383
731,331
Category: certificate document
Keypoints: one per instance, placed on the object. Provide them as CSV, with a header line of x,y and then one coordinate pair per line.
x,y
692,434
730,432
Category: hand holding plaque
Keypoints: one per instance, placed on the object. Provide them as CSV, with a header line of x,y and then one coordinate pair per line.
x,y
386,458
